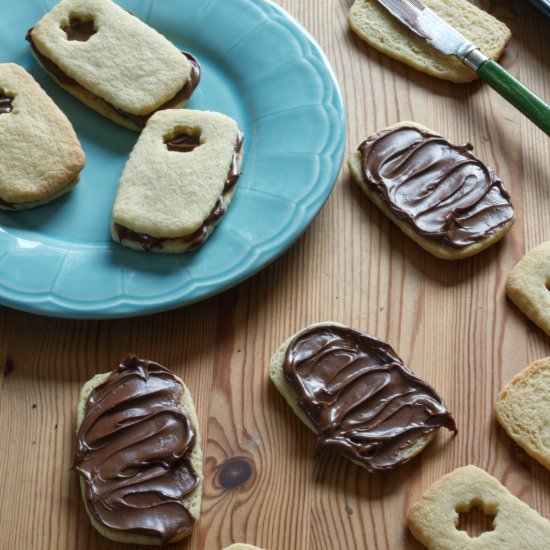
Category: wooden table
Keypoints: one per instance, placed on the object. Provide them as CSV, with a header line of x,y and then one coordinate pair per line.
x,y
450,322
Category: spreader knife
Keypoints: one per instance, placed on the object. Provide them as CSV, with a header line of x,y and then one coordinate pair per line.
x,y
425,23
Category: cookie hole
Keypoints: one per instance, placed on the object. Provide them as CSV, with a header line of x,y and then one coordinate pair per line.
x,y
80,28
183,140
6,102
475,520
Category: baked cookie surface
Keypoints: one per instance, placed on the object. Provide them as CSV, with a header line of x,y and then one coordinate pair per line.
x,y
34,170
439,194
138,454
178,182
356,394
527,285
434,518
112,61
523,410
374,24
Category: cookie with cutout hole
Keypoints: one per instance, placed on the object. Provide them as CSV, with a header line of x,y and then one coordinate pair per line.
x,y
178,182
434,518
112,61
41,155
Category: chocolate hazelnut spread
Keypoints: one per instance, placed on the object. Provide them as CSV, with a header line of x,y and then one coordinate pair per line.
x,y
139,120
5,103
361,398
183,143
442,190
195,239
79,29
133,453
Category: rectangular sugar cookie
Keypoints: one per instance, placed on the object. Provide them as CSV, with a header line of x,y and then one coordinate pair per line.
x,y
41,155
112,61
178,182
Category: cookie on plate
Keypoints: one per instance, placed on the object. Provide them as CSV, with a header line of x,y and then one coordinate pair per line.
x,y
138,454
42,157
439,194
374,24
434,518
527,285
178,182
522,409
112,61
356,394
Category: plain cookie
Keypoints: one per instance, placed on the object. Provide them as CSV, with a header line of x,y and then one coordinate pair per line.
x,y
527,285
138,454
41,155
336,379
374,24
523,410
178,182
433,520
439,194
112,61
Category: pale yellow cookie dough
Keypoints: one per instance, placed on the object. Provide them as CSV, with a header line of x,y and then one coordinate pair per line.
x,y
433,520
41,155
523,410
125,63
528,283
168,194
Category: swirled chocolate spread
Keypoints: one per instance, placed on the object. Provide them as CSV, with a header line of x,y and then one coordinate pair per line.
x,y
197,238
133,454
442,190
5,104
139,120
363,401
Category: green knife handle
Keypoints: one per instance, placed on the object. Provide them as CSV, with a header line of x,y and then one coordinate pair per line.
x,y
516,93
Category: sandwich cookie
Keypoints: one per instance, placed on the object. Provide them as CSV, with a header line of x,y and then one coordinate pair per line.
x,y
42,157
178,182
112,61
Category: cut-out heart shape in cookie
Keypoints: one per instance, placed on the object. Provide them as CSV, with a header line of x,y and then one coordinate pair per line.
x,y
527,285
360,398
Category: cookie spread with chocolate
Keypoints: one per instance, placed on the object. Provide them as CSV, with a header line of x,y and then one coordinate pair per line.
x,y
138,454
360,398
439,194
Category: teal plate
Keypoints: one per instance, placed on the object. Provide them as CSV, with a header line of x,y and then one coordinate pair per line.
x,y
259,67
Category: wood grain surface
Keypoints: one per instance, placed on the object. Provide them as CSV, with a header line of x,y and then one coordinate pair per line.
x,y
449,321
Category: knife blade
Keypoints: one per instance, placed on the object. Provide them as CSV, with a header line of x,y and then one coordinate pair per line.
x,y
428,25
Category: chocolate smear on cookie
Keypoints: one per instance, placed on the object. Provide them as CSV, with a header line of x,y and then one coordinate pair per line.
x,y
133,452
442,190
360,397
